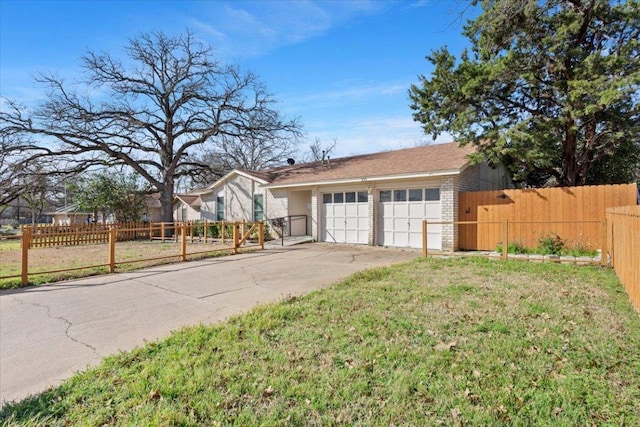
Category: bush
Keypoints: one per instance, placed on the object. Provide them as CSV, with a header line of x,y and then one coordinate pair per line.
x,y
551,244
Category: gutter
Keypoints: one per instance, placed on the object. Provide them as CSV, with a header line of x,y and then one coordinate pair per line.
x,y
364,180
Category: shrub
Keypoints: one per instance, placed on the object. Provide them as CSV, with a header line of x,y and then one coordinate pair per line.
x,y
551,244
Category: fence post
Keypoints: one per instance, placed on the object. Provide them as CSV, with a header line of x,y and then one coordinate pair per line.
x,y
261,234
162,231
26,242
425,251
112,249
183,231
236,229
604,238
222,231
505,240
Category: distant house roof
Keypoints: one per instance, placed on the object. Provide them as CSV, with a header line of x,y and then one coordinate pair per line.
x,y
192,200
429,160
153,201
72,209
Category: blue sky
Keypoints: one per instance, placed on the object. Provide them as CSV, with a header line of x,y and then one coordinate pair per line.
x,y
343,67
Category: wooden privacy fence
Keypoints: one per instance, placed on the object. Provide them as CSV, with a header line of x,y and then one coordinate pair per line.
x,y
240,234
575,214
506,237
49,235
623,232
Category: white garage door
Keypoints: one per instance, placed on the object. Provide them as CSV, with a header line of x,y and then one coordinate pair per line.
x,y
346,217
401,213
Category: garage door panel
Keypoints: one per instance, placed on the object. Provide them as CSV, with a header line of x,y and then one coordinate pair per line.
x,y
416,210
400,222
345,222
351,223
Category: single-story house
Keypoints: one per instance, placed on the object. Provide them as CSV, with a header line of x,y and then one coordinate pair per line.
x,y
186,207
153,210
70,215
374,199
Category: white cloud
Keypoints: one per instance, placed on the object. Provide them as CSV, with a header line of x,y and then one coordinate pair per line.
x,y
242,29
345,93
371,135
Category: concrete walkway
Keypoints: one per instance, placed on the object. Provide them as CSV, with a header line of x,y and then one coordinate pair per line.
x,y
49,332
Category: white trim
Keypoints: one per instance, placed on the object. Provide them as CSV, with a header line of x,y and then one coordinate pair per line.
x,y
366,180
236,172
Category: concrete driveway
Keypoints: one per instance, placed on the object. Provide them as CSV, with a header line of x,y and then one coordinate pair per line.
x,y
49,332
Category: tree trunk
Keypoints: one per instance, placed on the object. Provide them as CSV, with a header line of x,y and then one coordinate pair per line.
x,y
569,160
166,202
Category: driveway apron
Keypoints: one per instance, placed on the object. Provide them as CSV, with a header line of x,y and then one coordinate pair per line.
x,y
49,332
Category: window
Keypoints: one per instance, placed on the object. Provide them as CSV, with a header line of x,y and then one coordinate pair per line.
x,y
385,196
338,197
220,208
432,194
258,207
363,197
327,198
399,195
350,197
415,195
183,213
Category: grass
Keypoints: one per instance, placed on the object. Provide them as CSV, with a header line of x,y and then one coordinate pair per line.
x,y
69,257
433,342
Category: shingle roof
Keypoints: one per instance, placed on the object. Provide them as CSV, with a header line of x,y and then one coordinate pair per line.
x,y
426,159
190,199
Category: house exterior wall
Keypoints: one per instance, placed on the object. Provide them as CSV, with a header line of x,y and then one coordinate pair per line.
x,y
300,204
238,198
276,206
482,177
277,202
238,192
449,204
208,203
180,207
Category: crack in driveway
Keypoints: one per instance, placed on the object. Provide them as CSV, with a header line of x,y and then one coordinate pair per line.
x,y
63,319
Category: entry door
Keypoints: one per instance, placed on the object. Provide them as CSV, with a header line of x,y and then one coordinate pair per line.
x,y
345,217
401,214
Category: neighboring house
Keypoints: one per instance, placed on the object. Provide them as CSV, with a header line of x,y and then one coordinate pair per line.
x,y
186,207
153,212
374,199
71,214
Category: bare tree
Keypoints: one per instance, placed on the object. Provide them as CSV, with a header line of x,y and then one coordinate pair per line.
x,y
170,100
246,152
318,152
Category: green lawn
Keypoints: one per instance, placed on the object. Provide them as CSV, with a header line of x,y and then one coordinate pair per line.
x,y
431,342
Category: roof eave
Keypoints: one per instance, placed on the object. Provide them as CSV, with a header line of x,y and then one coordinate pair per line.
x,y
231,173
372,179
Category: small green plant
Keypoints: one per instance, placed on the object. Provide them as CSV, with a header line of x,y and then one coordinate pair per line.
x,y
551,244
514,248
581,249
